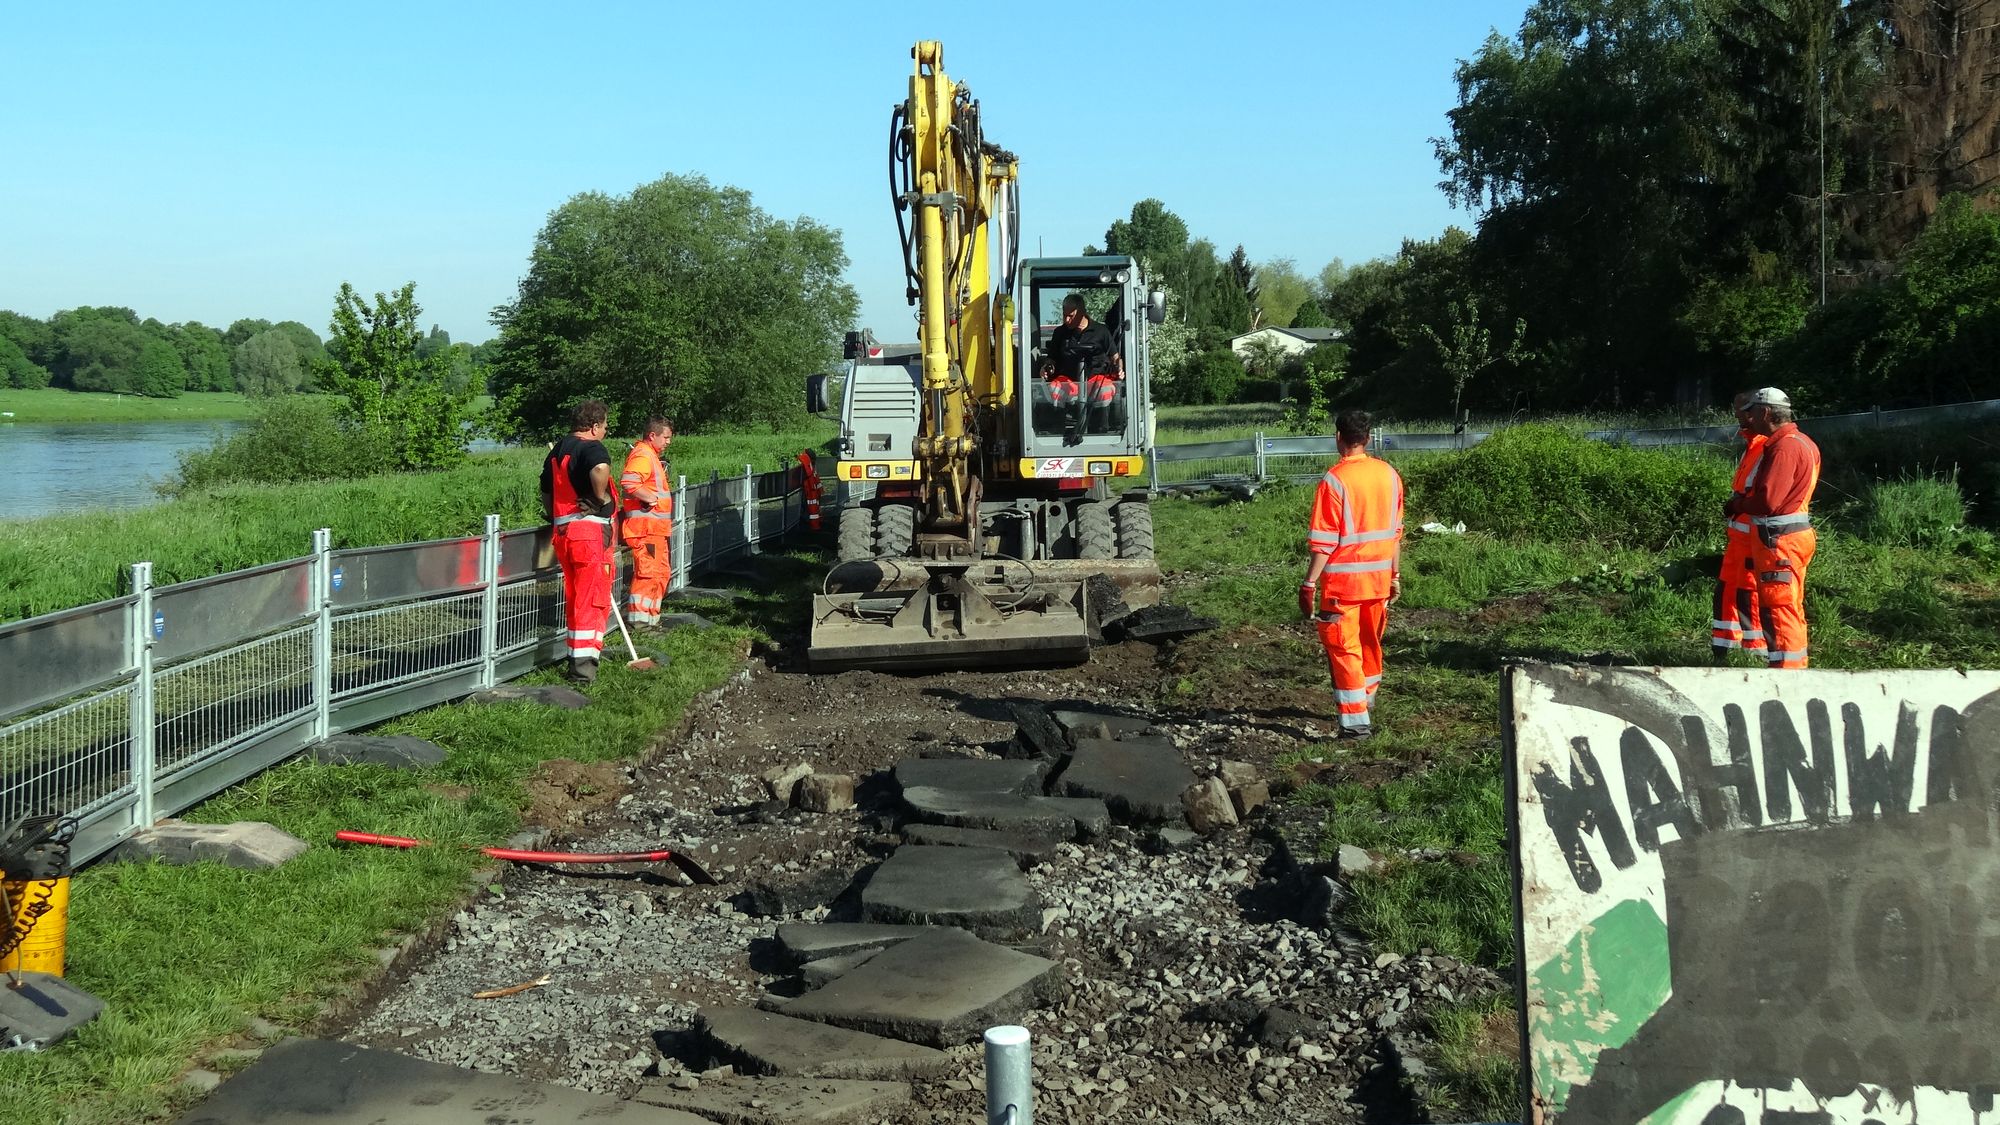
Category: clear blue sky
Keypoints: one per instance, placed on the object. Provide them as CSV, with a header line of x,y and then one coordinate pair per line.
x,y
214,161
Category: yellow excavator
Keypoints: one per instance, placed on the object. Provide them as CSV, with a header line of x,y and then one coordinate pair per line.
x,y
982,464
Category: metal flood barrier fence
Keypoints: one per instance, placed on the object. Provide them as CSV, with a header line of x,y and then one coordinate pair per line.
x,y
131,709
1261,458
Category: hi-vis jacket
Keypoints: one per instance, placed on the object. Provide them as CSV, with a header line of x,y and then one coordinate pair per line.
x,y
644,469
1357,522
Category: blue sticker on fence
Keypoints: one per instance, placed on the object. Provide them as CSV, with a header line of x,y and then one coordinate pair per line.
x,y
159,623
339,576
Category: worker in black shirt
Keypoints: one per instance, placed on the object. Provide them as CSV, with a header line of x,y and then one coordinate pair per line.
x,y
577,498
1080,349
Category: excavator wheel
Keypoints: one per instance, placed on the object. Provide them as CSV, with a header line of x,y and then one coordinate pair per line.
x,y
857,534
895,530
1095,538
1135,531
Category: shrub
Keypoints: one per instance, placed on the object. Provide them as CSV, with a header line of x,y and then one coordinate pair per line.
x,y
1212,376
1545,482
1925,512
292,438
1969,451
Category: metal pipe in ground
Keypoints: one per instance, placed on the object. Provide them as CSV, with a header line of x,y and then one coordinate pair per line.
x,y
1010,1074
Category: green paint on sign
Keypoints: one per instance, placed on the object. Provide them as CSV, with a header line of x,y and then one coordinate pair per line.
x,y
1595,995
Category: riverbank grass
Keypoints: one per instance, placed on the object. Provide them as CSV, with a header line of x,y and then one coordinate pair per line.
x,y
52,404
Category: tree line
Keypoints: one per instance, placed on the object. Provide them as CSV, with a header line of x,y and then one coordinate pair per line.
x,y
110,349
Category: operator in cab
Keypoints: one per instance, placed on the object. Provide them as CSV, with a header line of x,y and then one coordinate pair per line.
x,y
1080,351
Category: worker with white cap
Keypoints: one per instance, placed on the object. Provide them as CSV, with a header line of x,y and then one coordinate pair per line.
x,y
1777,503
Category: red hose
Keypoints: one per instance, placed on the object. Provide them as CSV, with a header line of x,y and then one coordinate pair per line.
x,y
512,854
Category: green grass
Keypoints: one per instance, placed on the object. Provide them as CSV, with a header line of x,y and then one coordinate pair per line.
x,y
51,404
185,955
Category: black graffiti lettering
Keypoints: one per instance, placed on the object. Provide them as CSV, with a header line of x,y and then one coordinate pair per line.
x,y
1785,762
1723,1115
1954,771
1727,790
1583,807
1879,783
1650,791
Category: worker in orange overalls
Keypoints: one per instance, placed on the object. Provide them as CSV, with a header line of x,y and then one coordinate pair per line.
x,y
1356,541
576,498
647,520
1736,623
809,485
1777,502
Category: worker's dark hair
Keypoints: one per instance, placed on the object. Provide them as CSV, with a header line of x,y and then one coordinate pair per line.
x,y
1073,303
1353,425
588,413
656,424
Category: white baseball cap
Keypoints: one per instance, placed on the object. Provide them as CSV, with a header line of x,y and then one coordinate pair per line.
x,y
1769,396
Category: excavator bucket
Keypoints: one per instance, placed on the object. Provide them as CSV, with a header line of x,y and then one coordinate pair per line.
x,y
906,616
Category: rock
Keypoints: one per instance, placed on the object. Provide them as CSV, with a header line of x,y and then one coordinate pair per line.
x,y
1319,902
779,780
1275,1026
1353,861
1208,807
1036,733
773,1101
1250,798
1159,623
1140,778
249,844
824,793
1235,1011
943,988
770,1043
1165,841
1006,812
811,941
395,751
1085,723
766,898
200,1081
1027,848
1238,774
548,695
975,888
961,775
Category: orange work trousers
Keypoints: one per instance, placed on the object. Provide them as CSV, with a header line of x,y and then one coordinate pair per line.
x,y
1781,594
583,550
1351,633
1736,623
652,572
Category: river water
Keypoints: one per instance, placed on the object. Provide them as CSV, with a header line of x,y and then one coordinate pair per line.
x,y
79,466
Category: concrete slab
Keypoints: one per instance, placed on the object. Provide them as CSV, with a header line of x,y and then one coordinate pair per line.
x,y
944,988
1140,778
550,695
1036,733
974,888
817,974
962,775
43,1010
249,844
314,1082
1067,817
1160,623
775,1101
811,941
396,751
1096,724
1027,848
769,1043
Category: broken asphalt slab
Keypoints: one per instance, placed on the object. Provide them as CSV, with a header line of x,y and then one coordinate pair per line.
x,y
759,1042
812,941
315,1082
941,989
962,775
1140,778
1159,623
1068,817
779,1101
1026,848
1101,724
395,751
979,889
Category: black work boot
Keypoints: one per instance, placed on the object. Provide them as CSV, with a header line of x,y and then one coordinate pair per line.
x,y
583,671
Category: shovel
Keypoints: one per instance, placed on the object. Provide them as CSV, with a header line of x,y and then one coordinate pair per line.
x,y
685,863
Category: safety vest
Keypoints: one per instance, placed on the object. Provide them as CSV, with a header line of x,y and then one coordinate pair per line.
x,y
1746,472
809,484
643,469
1784,523
1357,522
569,507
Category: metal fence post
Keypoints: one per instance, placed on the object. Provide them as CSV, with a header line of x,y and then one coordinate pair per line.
x,y
145,630
677,550
1153,467
1010,1071
750,509
322,637
489,604
1260,454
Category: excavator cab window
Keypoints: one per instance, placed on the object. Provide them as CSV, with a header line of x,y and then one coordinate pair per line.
x,y
1080,393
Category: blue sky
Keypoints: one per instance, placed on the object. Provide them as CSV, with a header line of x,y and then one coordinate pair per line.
x,y
213,161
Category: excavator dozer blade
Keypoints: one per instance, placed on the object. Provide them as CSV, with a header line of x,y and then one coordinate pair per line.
x,y
953,619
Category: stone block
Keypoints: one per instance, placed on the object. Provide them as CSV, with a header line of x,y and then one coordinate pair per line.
x,y
962,775
1353,861
975,888
770,1043
811,941
249,844
1036,733
44,1009
781,1101
1140,778
1208,807
817,974
768,897
396,751
1068,817
780,780
941,989
1237,774
1250,798
1027,848
824,793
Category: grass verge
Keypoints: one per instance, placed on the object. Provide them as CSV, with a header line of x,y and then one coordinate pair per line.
x,y
52,404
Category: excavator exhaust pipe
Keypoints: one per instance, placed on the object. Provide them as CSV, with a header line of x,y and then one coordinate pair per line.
x,y
901,615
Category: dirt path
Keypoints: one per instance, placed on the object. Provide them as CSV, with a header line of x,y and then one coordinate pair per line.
x,y
1173,961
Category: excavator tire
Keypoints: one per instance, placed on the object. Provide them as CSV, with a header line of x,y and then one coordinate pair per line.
x,y
895,530
1135,531
857,534
1095,538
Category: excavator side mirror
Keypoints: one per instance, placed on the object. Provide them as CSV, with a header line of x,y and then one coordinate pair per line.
x,y
1156,306
816,393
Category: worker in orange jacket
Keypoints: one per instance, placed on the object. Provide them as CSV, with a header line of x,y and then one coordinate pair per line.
x,y
1356,540
577,499
1777,502
809,486
647,521
1736,622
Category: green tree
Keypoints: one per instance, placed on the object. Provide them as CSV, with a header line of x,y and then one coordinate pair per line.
x,y
1169,345
1281,290
17,370
1941,127
434,341
35,338
1465,348
101,352
1739,316
1156,237
268,364
205,356
1212,376
159,372
373,364
242,330
312,351
681,298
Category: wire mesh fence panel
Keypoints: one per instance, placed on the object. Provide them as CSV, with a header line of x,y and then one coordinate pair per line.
x,y
1207,469
380,648
50,658
71,760
529,611
209,704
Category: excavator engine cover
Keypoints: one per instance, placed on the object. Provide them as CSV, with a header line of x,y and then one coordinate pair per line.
x,y
991,613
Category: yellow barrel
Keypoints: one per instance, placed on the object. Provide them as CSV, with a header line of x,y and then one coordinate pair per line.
x,y
42,950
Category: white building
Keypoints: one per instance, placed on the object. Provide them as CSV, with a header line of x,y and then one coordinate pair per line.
x,y
1294,341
